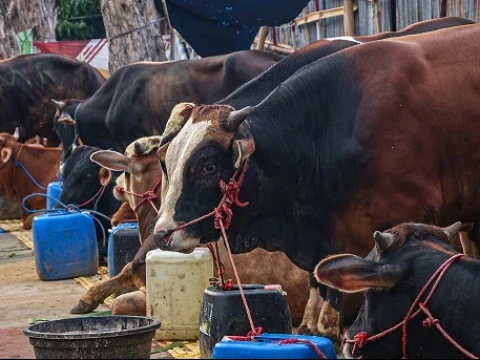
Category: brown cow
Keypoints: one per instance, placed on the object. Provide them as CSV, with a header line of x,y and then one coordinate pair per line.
x,y
123,214
40,162
382,135
142,171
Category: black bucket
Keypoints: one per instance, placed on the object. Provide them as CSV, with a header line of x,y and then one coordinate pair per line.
x,y
98,337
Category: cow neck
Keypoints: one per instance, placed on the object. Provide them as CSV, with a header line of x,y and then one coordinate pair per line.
x,y
273,220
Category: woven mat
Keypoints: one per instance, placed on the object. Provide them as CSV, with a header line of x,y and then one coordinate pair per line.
x,y
179,349
11,225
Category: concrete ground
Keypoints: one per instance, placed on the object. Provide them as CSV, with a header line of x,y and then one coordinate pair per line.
x,y
24,297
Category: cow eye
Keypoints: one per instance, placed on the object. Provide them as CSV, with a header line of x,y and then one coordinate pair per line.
x,y
209,168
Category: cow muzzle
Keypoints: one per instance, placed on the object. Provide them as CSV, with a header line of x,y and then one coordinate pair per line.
x,y
170,240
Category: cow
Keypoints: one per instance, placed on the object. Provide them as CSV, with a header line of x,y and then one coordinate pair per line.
x,y
123,214
391,277
89,186
142,172
368,137
26,169
137,99
28,82
253,92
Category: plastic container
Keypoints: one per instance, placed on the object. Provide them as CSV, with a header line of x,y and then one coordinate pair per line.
x,y
98,337
65,245
54,190
123,245
267,346
175,284
223,313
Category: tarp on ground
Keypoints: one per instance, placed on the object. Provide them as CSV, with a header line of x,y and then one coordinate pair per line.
x,y
214,27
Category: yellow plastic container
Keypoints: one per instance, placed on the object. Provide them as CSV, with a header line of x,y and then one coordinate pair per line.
x,y
175,286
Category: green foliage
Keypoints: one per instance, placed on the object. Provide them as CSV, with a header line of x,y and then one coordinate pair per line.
x,y
79,20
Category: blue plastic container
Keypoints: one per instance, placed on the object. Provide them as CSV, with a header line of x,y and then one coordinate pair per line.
x,y
123,245
65,245
54,190
266,346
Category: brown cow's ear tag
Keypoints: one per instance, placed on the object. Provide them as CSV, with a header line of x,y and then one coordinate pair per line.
x,y
105,176
350,273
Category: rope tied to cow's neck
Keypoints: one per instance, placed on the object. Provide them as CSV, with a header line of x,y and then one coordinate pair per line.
x,y
222,220
362,338
18,164
149,195
97,196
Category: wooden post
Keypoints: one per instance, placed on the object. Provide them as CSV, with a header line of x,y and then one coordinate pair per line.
x,y
378,17
262,36
348,18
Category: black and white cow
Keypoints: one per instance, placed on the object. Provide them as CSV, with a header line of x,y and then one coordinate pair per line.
x,y
393,274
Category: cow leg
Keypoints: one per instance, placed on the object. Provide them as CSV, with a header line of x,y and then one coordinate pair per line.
x,y
312,310
135,303
330,321
98,293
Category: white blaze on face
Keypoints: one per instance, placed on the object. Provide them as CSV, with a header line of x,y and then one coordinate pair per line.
x,y
176,158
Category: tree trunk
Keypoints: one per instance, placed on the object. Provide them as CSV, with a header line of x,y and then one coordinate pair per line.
x,y
145,44
21,15
8,43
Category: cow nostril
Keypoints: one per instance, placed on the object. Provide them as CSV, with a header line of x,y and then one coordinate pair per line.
x,y
161,238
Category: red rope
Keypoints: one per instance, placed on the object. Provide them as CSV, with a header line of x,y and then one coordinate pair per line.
x,y
362,338
149,195
97,196
231,191
314,347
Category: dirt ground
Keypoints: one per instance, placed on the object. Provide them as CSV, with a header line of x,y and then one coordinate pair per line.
x,y
24,297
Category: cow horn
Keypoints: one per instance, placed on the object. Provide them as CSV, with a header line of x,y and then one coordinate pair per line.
x,y
2,141
453,229
383,240
237,117
16,134
59,104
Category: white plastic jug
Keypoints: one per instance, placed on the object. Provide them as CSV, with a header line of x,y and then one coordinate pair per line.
x,y
175,286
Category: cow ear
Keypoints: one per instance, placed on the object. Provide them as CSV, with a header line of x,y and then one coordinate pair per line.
x,y
66,119
350,273
114,161
105,176
243,146
6,154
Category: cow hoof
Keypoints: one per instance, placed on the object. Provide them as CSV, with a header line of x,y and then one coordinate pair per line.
x,y
304,329
83,307
134,303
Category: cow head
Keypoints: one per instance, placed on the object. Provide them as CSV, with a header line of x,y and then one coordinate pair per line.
x,y
391,277
64,125
8,144
213,142
139,165
82,179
